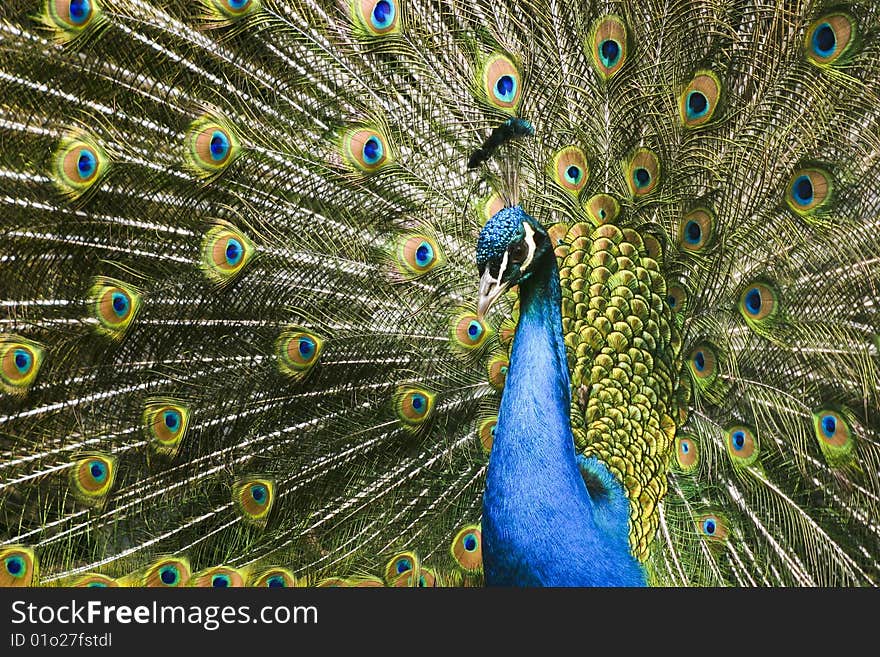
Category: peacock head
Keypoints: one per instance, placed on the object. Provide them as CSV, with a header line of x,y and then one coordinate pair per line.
x,y
509,249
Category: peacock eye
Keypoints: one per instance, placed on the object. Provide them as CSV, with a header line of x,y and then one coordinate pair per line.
x,y
169,575
516,252
220,581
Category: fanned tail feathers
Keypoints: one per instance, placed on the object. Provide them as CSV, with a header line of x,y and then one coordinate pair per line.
x,y
239,342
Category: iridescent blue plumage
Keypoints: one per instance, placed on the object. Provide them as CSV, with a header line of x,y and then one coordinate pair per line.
x,y
540,525
498,233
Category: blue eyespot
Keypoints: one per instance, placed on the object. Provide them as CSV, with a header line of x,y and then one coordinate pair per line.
x,y
829,426
220,581
700,361
641,177
234,251
219,146
573,174
23,361
86,164
505,88
738,439
609,52
120,304
492,430
802,190
693,233
709,526
238,4
697,105
259,493
383,14
685,447
671,301
168,575
276,581
419,402
824,41
424,254
475,330
373,150
80,10
98,470
470,542
753,301
15,566
403,565
96,585
306,347
172,420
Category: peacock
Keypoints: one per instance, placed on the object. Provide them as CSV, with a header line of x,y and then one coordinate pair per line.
x,y
437,293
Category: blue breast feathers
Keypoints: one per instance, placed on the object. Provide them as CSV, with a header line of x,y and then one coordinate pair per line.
x,y
541,527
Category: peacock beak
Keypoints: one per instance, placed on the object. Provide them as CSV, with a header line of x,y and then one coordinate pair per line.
x,y
490,289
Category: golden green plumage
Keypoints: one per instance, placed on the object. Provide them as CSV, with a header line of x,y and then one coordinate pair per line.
x,y
624,355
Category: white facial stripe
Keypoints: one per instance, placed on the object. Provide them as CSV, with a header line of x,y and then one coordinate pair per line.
x,y
491,288
487,282
501,269
530,242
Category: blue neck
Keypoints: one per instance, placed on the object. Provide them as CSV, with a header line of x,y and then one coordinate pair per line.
x,y
534,417
540,526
